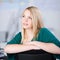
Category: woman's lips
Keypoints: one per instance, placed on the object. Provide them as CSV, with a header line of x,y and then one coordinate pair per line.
x,y
25,24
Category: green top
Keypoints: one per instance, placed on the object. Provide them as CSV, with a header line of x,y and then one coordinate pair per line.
x,y
44,35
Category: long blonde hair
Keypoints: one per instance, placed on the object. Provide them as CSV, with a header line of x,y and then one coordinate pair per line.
x,y
36,20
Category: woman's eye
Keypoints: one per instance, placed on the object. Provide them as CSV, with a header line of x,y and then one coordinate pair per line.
x,y
23,16
30,18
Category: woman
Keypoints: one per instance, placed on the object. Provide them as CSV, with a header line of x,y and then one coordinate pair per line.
x,y
33,36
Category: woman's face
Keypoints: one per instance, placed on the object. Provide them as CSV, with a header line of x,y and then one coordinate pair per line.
x,y
27,20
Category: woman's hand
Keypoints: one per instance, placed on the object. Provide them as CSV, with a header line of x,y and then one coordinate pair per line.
x,y
35,43
32,45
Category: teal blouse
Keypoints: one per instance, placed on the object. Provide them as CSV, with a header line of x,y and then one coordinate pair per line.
x,y
44,35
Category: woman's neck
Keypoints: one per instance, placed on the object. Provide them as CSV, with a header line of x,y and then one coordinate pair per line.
x,y
28,33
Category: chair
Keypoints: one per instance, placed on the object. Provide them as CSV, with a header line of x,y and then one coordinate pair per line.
x,y
34,55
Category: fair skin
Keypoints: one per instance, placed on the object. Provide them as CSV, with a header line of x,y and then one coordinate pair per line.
x,y
27,25
27,43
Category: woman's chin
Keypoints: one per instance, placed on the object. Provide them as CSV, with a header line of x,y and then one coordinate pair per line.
x,y
25,28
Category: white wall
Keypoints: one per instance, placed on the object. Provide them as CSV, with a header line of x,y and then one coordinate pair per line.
x,y
50,12
51,20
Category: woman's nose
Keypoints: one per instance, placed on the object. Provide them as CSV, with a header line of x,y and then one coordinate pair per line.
x,y
26,19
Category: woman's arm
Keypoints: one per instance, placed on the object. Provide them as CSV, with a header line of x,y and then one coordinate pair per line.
x,y
49,47
15,48
48,42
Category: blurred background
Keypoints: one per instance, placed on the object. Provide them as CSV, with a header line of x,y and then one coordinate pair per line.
x,y
11,10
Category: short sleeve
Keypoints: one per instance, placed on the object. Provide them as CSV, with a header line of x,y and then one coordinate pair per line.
x,y
16,39
45,35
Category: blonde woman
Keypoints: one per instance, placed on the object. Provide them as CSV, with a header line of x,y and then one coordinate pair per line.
x,y
33,36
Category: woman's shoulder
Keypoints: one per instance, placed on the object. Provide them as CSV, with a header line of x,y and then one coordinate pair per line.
x,y
18,34
45,32
44,29
16,39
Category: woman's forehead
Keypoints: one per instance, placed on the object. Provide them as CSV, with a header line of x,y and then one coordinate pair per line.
x,y
27,12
